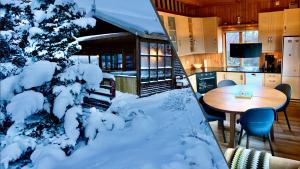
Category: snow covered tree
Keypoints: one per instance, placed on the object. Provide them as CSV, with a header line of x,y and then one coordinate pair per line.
x,y
41,88
14,22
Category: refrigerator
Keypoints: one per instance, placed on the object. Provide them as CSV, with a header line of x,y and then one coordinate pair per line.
x,y
291,64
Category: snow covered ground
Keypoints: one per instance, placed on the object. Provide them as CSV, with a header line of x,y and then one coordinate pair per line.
x,y
163,131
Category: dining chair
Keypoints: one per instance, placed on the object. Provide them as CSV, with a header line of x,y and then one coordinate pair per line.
x,y
213,115
287,90
224,83
257,122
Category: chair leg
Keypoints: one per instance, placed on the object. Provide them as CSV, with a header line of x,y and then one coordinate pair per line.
x,y
240,138
223,131
271,148
247,142
264,138
287,120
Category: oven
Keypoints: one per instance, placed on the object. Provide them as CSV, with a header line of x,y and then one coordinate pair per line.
x,y
206,81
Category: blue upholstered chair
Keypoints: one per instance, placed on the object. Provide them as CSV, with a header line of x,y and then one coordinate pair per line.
x,y
224,83
257,122
212,115
287,90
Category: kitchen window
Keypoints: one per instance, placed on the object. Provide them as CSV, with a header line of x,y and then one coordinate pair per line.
x,y
238,37
156,62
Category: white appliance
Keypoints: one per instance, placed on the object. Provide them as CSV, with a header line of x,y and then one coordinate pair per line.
x,y
291,64
256,79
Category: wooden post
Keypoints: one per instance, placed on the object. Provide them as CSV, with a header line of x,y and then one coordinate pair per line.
x,y
137,57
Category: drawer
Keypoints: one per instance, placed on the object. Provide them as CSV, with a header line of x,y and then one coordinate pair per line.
x,y
272,76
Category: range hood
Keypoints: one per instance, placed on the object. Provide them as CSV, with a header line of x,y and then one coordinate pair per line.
x,y
245,50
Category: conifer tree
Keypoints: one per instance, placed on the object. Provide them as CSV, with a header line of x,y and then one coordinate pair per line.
x,y
38,80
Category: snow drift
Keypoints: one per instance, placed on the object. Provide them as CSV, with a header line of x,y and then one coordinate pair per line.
x,y
153,137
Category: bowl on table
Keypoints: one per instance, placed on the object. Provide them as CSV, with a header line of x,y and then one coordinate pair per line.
x,y
197,66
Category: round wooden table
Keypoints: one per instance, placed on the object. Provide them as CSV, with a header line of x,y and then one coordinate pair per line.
x,y
225,99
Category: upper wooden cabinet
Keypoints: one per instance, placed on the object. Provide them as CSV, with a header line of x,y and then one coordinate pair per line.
x,y
291,26
270,30
194,35
212,35
183,35
164,18
198,35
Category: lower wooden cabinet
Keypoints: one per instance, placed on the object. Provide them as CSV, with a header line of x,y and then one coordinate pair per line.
x,y
220,76
238,78
269,79
272,80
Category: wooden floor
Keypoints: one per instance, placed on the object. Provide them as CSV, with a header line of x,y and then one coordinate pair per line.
x,y
286,143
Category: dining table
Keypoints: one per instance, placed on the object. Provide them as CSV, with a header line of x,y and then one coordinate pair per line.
x,y
238,99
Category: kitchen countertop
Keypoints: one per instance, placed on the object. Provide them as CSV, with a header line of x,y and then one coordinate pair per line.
x,y
190,72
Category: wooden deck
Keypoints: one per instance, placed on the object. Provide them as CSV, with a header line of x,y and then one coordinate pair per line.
x,y
286,143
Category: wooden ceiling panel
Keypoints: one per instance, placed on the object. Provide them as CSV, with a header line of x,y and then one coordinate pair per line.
x,y
209,2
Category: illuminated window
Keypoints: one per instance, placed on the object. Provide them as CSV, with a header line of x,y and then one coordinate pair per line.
x,y
156,62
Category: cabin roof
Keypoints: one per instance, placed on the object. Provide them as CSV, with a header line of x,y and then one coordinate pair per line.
x,y
140,22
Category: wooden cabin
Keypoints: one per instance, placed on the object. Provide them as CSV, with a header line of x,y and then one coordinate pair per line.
x,y
142,62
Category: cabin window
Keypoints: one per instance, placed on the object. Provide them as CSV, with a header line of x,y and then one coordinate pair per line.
x,y
112,61
116,61
156,62
85,59
129,62
237,37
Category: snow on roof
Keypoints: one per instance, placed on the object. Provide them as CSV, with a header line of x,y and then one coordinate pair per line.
x,y
102,36
135,16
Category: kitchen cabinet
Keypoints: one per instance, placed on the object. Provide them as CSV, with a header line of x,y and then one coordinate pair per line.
x,y
168,21
182,31
221,76
238,78
270,30
198,35
291,26
272,80
295,84
212,35
193,82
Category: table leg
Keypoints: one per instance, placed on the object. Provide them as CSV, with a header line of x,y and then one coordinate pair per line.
x,y
232,130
